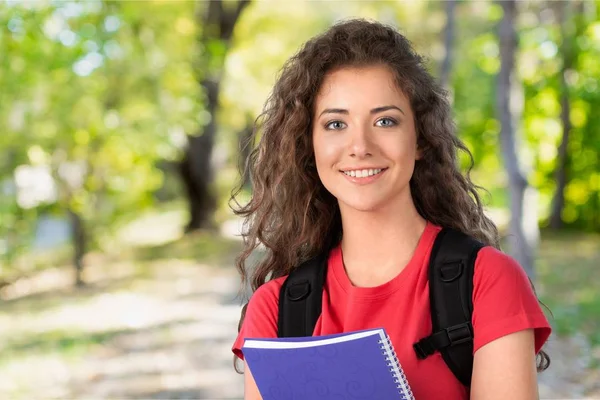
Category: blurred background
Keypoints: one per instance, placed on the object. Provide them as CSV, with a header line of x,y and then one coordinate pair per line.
x,y
120,132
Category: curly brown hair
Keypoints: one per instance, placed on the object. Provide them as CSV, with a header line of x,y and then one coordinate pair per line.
x,y
290,212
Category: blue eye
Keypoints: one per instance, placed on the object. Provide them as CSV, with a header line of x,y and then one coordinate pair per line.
x,y
386,122
335,125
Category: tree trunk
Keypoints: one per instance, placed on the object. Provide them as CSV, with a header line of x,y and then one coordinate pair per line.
x,y
448,43
217,24
524,231
568,35
196,171
245,147
79,243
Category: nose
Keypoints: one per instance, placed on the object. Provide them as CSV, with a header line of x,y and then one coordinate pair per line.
x,y
360,143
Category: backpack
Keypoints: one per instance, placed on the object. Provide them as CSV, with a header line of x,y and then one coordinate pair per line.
x,y
451,268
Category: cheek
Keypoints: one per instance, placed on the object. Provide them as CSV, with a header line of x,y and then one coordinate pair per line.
x,y
409,145
326,152
326,158
402,150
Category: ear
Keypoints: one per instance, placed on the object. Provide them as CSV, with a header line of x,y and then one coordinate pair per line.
x,y
418,153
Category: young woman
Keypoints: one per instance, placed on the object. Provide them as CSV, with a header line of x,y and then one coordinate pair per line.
x,y
357,157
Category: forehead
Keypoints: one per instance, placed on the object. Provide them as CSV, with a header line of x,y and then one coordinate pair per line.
x,y
354,87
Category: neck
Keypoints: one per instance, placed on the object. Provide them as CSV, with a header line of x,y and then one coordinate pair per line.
x,y
377,245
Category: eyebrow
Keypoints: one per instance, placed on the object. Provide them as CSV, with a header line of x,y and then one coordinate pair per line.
x,y
373,111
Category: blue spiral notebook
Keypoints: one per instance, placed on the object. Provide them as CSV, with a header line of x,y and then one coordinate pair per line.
x,y
356,365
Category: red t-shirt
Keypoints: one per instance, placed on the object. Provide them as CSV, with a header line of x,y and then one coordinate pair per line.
x,y
503,303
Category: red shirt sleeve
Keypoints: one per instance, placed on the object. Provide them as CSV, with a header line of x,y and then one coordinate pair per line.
x,y
261,315
504,301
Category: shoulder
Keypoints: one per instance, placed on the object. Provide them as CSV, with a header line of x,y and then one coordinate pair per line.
x,y
490,256
261,315
267,295
497,274
504,300
492,264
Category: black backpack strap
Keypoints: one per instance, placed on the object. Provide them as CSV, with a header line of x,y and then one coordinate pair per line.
x,y
300,298
451,269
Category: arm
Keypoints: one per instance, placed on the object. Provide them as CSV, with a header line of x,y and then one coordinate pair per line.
x,y
250,390
505,368
509,327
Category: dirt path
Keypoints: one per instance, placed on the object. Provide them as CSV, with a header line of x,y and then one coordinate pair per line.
x,y
570,375
183,352
167,335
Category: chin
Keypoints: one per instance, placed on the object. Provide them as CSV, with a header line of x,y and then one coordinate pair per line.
x,y
362,205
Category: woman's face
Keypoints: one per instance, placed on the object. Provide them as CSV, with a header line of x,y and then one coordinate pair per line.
x,y
364,138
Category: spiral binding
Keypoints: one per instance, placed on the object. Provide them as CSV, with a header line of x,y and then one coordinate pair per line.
x,y
394,364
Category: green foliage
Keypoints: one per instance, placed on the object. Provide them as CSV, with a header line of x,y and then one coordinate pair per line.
x,y
542,60
94,94
538,65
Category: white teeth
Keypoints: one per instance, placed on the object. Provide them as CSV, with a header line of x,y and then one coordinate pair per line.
x,y
363,173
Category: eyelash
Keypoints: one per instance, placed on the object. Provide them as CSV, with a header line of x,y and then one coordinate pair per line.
x,y
392,120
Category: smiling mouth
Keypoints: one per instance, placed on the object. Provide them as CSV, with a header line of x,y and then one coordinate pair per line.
x,y
363,173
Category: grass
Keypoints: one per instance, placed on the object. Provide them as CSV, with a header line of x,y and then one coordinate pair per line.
x,y
68,342
204,246
568,271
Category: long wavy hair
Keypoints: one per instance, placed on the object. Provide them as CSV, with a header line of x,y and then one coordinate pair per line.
x,y
290,213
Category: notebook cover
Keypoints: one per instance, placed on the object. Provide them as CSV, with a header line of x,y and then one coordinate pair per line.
x,y
355,369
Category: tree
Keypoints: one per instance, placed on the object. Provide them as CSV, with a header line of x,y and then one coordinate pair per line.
x,y
217,24
448,43
568,35
523,230
94,95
